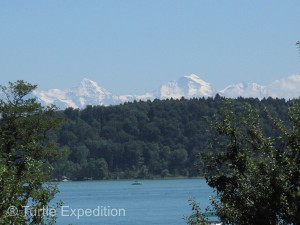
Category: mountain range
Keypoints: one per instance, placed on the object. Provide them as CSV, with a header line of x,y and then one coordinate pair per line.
x,y
88,92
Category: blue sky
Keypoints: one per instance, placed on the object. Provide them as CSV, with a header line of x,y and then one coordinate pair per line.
x,y
132,46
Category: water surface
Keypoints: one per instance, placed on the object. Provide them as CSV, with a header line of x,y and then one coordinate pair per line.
x,y
161,202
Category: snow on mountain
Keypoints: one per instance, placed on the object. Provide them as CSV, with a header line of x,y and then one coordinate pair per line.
x,y
131,98
285,88
244,90
88,92
288,88
187,86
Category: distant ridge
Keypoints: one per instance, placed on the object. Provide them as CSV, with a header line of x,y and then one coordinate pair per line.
x,y
88,92
287,88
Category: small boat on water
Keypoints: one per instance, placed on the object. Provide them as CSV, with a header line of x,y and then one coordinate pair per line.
x,y
137,183
64,179
214,223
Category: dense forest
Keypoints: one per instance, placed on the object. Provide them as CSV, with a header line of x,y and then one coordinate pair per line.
x,y
160,138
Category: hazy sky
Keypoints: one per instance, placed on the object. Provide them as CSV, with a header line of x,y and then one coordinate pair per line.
x,y
134,46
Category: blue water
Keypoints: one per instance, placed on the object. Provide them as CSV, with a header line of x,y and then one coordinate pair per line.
x,y
161,202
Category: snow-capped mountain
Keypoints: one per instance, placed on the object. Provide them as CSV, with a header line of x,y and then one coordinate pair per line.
x,y
244,90
287,88
187,86
88,92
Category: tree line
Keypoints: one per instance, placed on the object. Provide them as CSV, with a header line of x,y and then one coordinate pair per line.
x,y
160,138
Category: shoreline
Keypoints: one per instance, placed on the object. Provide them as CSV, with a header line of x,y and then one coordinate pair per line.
x,y
133,179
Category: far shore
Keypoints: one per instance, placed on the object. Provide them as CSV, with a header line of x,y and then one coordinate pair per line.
x,y
134,179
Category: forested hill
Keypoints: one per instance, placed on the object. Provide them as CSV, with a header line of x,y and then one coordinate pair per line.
x,y
142,139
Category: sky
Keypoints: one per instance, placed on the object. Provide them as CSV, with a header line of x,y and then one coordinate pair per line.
x,y
134,46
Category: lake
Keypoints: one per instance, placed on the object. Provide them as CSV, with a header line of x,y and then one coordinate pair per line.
x,y
161,202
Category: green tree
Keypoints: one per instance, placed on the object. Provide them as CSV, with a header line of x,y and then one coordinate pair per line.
x,y
256,177
80,154
98,168
24,151
197,217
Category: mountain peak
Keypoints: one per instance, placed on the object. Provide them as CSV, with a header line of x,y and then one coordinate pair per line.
x,y
187,86
192,76
88,87
88,83
85,79
195,78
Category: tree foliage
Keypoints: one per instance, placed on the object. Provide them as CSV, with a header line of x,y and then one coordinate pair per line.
x,y
24,152
256,175
197,217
